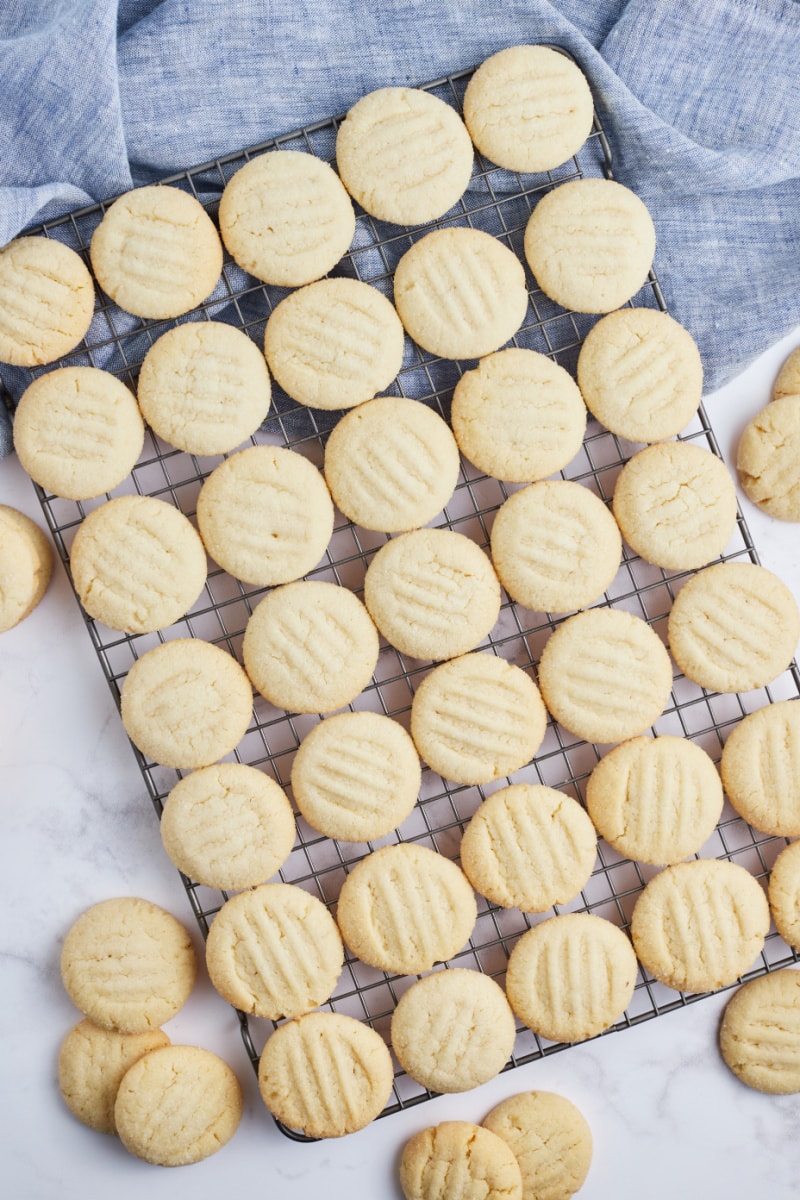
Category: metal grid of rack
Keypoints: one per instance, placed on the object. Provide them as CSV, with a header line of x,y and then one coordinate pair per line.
x,y
498,202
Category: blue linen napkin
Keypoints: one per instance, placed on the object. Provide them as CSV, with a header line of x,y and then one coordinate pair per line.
x,y
699,99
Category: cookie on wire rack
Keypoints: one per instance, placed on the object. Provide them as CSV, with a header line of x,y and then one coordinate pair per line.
x,y
47,299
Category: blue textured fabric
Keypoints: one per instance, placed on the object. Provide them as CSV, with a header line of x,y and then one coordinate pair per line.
x,y
699,99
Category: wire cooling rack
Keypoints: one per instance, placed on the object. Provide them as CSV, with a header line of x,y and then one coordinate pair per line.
x,y
498,202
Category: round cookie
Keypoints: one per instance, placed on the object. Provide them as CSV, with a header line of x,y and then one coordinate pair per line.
x,y
186,703
760,768
571,977
156,252
590,244
177,1106
26,566
128,965
204,387
676,505
733,627
91,1064
605,675
404,155
228,826
518,415
529,847
528,108
453,1030
655,800
325,1074
458,1159
460,292
555,546
310,647
759,1037
137,564
391,464
550,1140
477,718
47,301
768,459
356,776
784,894
640,374
333,344
432,593
265,515
404,908
274,951
788,381
697,926
78,432
286,218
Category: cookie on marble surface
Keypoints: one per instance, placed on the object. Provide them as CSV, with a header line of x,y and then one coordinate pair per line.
x,y
768,458
91,1064
784,894
128,965
698,925
733,627
456,1160
47,300
518,415
590,244
760,768
404,155
759,1037
788,380
286,218
391,464
550,1140
265,515
453,1030
325,1074
26,566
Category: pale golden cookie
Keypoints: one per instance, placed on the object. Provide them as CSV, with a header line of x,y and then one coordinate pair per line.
x,y
760,768
186,703
733,627
459,1161
177,1106
460,293
676,505
641,374
605,675
391,464
137,564
768,459
784,894
477,718
404,155
26,566
529,847
286,218
91,1064
325,1074
453,1030
310,647
265,515
699,925
555,546
518,415
356,776
788,381
128,964
656,800
550,1140
404,908
528,108
760,1033
334,344
204,387
590,244
46,301
78,432
571,977
274,951
432,593
156,252
228,826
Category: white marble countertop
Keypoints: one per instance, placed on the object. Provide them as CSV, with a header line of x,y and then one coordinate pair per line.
x,y
667,1116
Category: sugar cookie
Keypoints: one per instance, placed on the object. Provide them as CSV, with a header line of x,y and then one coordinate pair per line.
x,y
458,1159
91,1064
550,1140
46,298
788,381
760,1033
768,459
784,894
26,566
760,768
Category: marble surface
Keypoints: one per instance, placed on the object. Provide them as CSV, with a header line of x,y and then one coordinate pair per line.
x,y
668,1118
